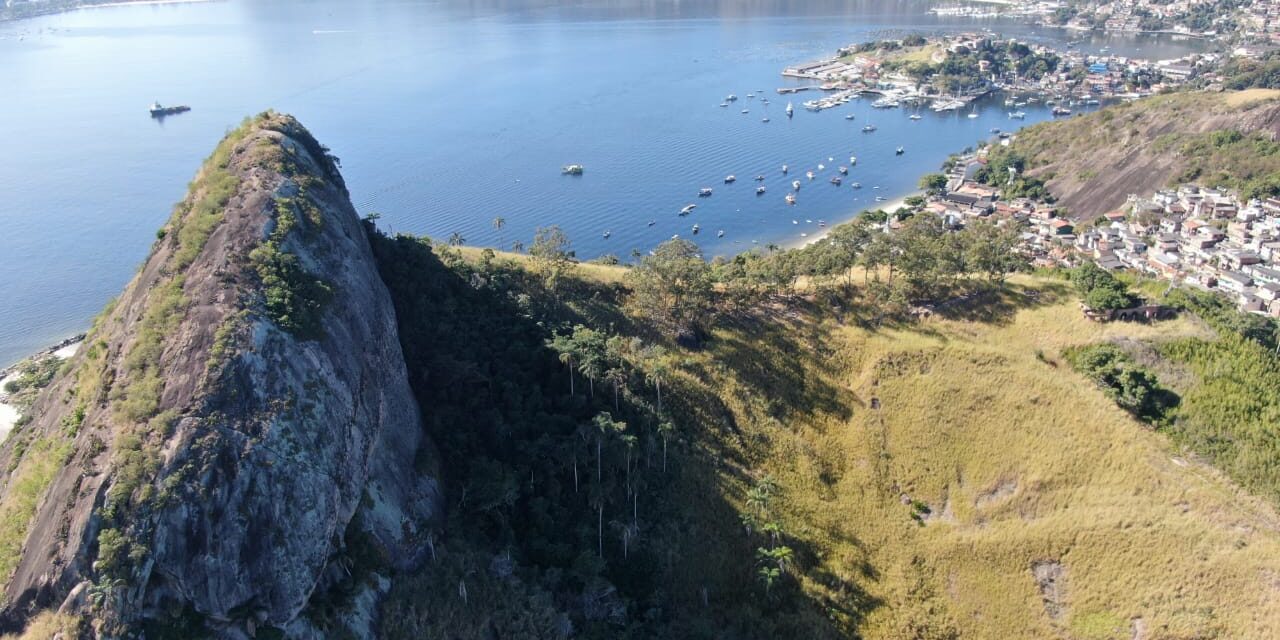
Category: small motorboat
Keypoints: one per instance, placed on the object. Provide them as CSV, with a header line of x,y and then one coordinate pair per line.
x,y
856,185
844,171
915,116
720,233
751,95
848,116
764,119
795,222
696,229
760,190
730,179
868,128
724,104
606,234
746,111
881,198
808,174
652,222
853,160
1017,115
972,116
995,129
784,169
791,198
704,192
836,180
571,170
688,209
899,151
760,178
821,166
795,184
731,98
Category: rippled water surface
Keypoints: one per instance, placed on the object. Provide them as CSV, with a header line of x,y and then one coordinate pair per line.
x,y
447,115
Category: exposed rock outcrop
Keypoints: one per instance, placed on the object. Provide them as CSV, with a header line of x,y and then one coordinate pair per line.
x,y
202,459
1092,163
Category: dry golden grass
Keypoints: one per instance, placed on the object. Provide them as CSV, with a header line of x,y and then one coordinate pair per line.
x,y
1020,460
1249,96
588,271
49,625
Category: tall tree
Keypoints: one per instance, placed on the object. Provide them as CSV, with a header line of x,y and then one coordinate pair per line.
x,y
499,223
552,255
673,289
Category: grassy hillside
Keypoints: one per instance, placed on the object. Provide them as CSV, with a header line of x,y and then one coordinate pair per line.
x,y
953,478
1091,163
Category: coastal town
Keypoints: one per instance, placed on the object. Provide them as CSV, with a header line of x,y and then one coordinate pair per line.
x,y
1197,236
1257,21
949,72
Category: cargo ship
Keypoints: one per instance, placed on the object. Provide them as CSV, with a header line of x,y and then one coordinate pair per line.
x,y
159,111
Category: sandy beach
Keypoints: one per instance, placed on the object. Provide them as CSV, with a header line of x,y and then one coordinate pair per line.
x,y
888,205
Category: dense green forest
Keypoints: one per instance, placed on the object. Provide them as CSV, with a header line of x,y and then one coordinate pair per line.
x,y
575,500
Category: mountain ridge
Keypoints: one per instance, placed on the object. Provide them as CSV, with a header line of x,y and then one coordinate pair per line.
x,y
254,353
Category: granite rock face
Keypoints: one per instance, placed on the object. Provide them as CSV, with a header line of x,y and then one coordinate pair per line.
x,y
235,420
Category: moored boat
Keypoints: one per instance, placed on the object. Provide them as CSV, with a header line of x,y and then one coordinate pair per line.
x,y
159,111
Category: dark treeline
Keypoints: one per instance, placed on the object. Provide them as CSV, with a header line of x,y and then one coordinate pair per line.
x,y
576,503
576,457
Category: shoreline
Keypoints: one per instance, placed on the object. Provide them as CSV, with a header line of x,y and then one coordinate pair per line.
x,y
53,11
888,206
9,414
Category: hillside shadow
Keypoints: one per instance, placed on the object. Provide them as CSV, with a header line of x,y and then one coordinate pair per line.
x,y
518,454
1000,304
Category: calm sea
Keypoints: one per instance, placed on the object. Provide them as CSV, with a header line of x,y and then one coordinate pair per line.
x,y
446,115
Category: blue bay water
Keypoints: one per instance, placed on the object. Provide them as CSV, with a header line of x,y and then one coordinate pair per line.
x,y
445,116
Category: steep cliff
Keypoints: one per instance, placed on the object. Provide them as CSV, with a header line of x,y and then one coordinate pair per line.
x,y
236,421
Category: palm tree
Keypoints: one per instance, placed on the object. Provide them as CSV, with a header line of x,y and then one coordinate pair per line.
x,y
773,530
605,426
657,369
592,350
768,575
498,224
517,247
565,347
616,376
456,239
758,499
665,430
629,442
